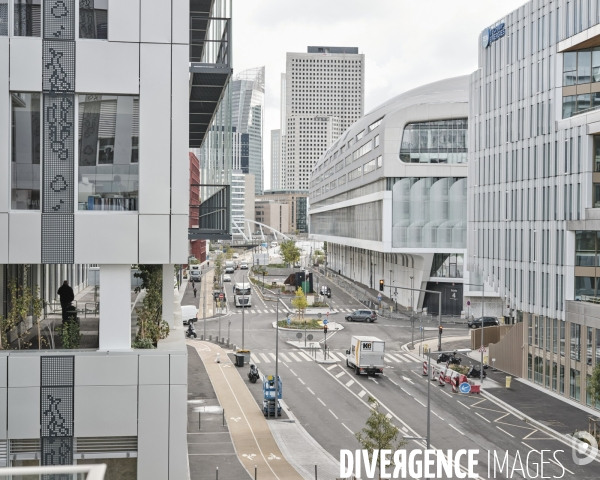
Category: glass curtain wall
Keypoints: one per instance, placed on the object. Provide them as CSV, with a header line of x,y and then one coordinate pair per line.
x,y
28,18
443,141
93,19
26,151
581,69
108,152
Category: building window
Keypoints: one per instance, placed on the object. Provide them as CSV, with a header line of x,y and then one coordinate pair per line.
x,y
554,375
379,161
562,380
547,374
529,330
597,346
3,18
443,141
586,248
529,366
28,18
538,371
93,19
575,384
562,339
26,151
376,141
447,265
370,167
575,342
108,152
589,346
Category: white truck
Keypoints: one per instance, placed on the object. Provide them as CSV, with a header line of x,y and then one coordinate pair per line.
x,y
366,355
229,267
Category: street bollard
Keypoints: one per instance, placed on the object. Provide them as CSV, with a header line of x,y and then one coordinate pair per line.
x,y
315,471
223,417
255,472
199,421
217,473
210,338
508,379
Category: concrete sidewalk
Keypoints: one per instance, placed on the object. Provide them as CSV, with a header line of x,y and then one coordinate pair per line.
x,y
252,438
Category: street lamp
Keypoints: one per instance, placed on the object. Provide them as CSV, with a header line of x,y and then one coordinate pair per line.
x,y
390,284
412,311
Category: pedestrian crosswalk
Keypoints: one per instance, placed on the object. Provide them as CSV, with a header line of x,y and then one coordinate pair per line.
x,y
339,356
255,311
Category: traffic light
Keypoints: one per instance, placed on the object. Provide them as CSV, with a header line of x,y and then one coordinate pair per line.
x,y
381,285
441,330
325,328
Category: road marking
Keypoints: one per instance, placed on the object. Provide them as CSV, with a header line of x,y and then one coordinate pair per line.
x,y
340,374
385,359
482,417
388,416
351,382
445,393
293,372
505,431
412,359
332,367
468,408
404,429
336,417
406,379
348,429
310,390
373,380
419,401
362,393
341,355
265,358
322,402
273,356
294,357
405,392
285,359
301,381
436,415
456,429
393,382
304,356
397,359
254,359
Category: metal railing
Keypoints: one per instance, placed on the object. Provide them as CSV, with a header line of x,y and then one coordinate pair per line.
x,y
76,472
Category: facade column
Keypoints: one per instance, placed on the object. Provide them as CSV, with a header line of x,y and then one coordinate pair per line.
x,y
115,307
168,294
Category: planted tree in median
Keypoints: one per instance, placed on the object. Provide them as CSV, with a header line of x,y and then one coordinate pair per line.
x,y
379,434
299,302
593,386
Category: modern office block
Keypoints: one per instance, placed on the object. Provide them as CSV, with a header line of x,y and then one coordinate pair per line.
x,y
390,199
533,185
324,95
94,172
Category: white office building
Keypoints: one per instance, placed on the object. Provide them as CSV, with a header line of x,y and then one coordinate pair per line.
x,y
324,95
534,192
94,170
390,199
276,158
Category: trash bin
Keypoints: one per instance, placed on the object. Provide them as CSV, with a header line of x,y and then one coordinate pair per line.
x,y
239,359
508,379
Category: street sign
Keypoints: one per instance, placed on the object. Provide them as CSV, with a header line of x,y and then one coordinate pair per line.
x,y
327,313
221,296
482,350
464,387
468,303
379,297
309,337
325,322
421,328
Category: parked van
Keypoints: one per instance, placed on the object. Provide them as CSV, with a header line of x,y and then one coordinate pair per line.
x,y
189,312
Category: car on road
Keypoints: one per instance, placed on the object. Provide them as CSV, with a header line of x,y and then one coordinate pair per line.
x,y
326,291
226,278
487,322
236,255
189,312
243,266
362,316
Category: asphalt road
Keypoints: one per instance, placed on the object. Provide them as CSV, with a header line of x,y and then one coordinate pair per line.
x,y
331,402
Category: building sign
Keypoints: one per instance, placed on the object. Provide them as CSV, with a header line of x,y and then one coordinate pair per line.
x,y
490,35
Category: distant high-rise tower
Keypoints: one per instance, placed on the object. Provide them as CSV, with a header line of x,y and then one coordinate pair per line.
x,y
248,100
275,159
324,95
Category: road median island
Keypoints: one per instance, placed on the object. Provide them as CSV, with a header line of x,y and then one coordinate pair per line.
x,y
254,443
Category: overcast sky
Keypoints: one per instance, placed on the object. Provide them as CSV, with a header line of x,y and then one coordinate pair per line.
x,y
406,43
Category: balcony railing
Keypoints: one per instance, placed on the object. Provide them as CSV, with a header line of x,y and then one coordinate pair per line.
x,y
76,472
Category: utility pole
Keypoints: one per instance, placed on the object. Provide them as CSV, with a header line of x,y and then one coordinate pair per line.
x,y
277,359
243,308
412,311
390,284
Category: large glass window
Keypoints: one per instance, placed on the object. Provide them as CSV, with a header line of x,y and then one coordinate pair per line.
x,y
589,345
26,151
562,379
597,153
108,152
443,141
598,346
538,369
93,19
554,375
529,331
547,374
575,342
586,243
562,338
447,265
575,384
28,18
569,69
3,18
529,365
555,335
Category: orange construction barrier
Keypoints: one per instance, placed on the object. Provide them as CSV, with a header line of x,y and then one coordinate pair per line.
x,y
424,369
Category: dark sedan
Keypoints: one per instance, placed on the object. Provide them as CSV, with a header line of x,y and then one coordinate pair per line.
x,y
362,316
487,322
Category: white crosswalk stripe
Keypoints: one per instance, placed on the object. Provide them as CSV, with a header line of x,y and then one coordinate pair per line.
x,y
285,359
294,357
254,359
412,359
265,358
391,357
304,356
396,358
336,355
272,356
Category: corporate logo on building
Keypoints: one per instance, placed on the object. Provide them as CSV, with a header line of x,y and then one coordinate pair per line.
x,y
490,35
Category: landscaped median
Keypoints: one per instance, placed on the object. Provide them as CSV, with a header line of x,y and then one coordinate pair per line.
x,y
311,325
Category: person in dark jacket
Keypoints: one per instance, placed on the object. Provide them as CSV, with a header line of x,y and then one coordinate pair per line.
x,y
65,292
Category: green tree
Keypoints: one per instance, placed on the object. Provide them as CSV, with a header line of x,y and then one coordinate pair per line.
x,y
593,386
228,252
151,326
379,433
289,251
299,302
23,302
218,269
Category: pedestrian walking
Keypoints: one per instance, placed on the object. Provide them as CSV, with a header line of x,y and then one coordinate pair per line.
x,y
66,295
193,284
195,292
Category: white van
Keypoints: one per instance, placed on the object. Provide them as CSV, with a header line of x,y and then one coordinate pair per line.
x,y
236,255
189,312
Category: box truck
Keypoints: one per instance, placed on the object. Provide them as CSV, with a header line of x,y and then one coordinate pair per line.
x,y
366,355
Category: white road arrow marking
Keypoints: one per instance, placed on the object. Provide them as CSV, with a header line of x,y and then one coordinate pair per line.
x,y
272,456
406,379
249,457
373,380
236,419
